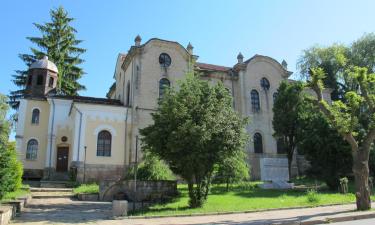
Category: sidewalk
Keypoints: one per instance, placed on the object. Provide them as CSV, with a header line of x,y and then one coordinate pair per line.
x,y
305,216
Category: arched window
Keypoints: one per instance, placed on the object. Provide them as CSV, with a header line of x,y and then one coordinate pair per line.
x,y
35,116
32,149
255,104
264,83
258,143
163,85
104,143
50,82
39,80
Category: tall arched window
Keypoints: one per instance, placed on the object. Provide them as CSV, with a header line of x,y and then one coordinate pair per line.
x,y
258,143
32,149
264,83
163,85
35,116
274,96
104,143
128,94
255,103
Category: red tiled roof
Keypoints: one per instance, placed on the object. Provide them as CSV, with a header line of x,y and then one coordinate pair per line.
x,y
207,66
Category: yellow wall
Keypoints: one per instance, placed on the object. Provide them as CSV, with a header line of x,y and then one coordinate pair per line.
x,y
118,142
39,132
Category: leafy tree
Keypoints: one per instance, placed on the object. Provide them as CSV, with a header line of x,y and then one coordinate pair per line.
x,y
10,167
195,128
59,43
286,110
354,119
151,168
329,155
336,59
232,170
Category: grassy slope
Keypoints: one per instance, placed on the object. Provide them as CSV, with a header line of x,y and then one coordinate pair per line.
x,y
14,194
246,199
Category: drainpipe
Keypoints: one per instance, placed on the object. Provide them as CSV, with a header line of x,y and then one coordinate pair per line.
x,y
51,139
79,132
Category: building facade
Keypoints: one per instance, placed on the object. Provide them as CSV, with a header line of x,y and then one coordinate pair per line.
x,y
97,138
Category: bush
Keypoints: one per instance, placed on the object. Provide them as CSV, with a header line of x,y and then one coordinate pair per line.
x,y
10,169
312,196
151,168
86,189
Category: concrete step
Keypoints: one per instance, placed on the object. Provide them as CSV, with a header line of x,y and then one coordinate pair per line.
x,y
53,184
51,189
40,195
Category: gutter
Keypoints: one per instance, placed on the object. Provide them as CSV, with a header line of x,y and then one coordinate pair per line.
x,y
51,139
79,131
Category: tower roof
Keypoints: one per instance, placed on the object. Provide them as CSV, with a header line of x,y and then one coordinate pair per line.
x,y
44,63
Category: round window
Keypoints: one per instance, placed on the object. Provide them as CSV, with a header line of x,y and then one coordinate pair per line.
x,y
165,60
64,139
264,83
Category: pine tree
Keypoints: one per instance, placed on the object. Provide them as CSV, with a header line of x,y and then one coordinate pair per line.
x,y
59,43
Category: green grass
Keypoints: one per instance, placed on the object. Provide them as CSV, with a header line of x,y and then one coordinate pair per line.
x,y
15,194
86,189
247,198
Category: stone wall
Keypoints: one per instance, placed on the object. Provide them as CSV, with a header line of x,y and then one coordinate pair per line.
x,y
96,172
146,190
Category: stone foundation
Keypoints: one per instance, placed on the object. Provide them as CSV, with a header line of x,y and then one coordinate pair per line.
x,y
87,173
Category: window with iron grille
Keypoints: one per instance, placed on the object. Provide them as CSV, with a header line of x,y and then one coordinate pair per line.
x,y
255,103
264,83
104,143
32,149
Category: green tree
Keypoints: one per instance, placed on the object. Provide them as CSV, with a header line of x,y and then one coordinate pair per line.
x,y
59,43
329,155
286,110
354,119
151,168
233,170
10,167
195,128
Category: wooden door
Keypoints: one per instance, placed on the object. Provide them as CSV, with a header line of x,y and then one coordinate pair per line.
x,y
62,159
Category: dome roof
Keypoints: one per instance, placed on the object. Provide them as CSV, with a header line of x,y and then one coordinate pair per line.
x,y
44,63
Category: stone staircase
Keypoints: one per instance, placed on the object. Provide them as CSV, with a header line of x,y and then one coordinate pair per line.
x,y
43,193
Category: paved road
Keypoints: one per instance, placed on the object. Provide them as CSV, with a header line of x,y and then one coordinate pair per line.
x,y
67,211
356,222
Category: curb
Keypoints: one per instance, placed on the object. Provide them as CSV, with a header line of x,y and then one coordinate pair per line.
x,y
327,220
233,212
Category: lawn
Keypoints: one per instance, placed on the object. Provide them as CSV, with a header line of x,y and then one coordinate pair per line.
x,y
247,198
86,189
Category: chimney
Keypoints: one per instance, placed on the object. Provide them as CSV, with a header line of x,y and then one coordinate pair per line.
x,y
137,40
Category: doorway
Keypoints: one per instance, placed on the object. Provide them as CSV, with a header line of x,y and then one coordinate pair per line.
x,y
62,159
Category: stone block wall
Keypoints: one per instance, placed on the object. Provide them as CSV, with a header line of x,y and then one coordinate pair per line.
x,y
145,190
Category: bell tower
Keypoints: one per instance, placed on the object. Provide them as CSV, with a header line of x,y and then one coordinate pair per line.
x,y
42,77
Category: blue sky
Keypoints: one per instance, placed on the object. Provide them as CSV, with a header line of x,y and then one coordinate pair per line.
x,y
217,29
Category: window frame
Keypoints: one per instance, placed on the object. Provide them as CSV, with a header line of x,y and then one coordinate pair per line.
x,y
161,88
162,60
104,144
255,100
35,116
258,143
39,80
265,83
32,149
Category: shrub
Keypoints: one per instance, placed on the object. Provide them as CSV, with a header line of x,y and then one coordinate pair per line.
x,y
87,189
151,168
312,196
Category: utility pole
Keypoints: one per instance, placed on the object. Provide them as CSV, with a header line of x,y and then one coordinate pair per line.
x,y
84,167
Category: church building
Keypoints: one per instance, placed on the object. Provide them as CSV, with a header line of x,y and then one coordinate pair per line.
x,y
98,138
